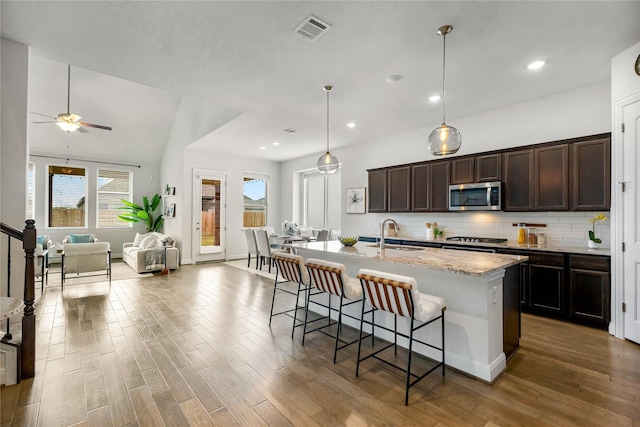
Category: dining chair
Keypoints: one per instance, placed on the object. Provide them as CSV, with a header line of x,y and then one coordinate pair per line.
x,y
264,247
252,246
399,296
323,235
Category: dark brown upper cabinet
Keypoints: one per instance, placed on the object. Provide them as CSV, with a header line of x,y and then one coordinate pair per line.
x,y
591,175
518,181
489,167
551,184
399,184
421,187
439,186
463,170
378,190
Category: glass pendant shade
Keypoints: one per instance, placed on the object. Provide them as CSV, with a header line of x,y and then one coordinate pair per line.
x,y
328,164
444,140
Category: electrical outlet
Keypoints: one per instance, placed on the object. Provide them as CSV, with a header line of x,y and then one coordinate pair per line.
x,y
494,294
556,238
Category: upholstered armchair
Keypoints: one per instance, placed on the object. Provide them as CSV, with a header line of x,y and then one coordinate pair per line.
x,y
86,257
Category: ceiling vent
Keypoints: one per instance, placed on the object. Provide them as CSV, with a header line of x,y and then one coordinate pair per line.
x,y
312,28
293,131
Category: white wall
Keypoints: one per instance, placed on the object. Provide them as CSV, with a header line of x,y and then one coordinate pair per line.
x,y
571,114
194,120
14,70
234,168
145,183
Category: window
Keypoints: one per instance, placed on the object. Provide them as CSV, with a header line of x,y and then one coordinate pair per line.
x,y
31,182
67,196
254,190
113,185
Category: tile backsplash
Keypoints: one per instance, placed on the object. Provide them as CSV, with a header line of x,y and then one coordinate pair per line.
x,y
562,228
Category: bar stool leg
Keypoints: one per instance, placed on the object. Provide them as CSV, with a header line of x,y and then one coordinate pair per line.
x,y
406,396
443,343
360,338
339,327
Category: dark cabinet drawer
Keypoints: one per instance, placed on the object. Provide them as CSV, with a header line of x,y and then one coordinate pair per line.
x,y
587,262
556,260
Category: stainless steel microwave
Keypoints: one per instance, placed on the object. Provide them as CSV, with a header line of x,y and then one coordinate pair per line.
x,y
485,196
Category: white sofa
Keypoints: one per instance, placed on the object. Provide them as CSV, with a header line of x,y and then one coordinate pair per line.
x,y
139,254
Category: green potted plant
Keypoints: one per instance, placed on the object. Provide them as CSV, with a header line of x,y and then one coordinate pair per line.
x,y
137,213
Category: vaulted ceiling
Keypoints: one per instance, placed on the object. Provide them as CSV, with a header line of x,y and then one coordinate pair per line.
x,y
132,62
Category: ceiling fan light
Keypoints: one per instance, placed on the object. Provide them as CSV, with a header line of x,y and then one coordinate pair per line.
x,y
444,140
68,126
328,164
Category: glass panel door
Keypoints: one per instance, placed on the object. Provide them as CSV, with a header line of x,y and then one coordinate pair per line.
x,y
209,216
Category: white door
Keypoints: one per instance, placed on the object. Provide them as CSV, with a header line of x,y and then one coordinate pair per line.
x,y
631,230
209,206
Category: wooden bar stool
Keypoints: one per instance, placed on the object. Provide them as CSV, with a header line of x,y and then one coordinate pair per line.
x,y
399,296
291,268
330,278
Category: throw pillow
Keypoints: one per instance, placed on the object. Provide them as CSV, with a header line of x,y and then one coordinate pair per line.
x,y
139,238
149,242
40,240
80,238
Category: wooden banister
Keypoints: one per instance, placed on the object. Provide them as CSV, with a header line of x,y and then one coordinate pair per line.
x,y
28,343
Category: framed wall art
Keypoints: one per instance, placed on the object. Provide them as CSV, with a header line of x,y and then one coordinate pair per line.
x,y
356,200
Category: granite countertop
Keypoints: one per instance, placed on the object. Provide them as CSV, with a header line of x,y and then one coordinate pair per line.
x,y
581,250
471,263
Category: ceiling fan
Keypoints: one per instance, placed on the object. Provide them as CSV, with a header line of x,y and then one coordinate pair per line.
x,y
68,121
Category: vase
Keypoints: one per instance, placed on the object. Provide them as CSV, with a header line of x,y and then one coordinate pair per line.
x,y
592,245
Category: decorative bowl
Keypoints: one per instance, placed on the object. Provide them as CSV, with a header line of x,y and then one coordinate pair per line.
x,y
348,240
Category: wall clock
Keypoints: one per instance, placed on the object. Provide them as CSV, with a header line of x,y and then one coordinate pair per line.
x,y
638,65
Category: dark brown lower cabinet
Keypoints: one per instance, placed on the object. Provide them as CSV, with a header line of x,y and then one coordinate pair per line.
x,y
545,281
575,288
590,288
547,292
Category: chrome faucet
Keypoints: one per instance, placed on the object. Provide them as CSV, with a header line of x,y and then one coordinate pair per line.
x,y
397,228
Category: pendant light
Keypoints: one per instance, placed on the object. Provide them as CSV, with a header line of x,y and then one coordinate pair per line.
x,y
328,163
444,139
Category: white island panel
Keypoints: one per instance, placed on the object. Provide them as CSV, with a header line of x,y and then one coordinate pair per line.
x,y
470,282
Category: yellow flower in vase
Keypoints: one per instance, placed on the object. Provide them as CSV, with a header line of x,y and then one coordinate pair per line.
x,y
592,232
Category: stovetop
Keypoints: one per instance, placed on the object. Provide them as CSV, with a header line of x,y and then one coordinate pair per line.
x,y
476,239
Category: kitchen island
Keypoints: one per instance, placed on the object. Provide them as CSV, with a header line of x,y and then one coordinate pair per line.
x,y
481,290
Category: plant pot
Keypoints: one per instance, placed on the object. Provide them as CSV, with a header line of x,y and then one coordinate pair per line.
x,y
592,245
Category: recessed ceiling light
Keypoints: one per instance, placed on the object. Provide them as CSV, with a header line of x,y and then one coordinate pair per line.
x,y
536,65
276,143
434,98
394,78
263,148
351,125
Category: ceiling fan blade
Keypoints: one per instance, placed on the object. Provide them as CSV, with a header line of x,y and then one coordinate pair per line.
x,y
82,130
44,122
40,114
91,125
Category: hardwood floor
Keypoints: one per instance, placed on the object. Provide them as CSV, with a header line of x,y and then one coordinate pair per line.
x,y
194,348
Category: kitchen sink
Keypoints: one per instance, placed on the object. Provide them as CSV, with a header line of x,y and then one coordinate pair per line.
x,y
397,247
